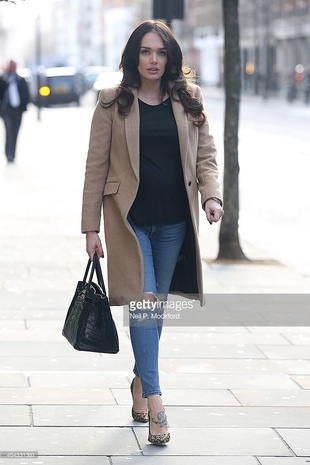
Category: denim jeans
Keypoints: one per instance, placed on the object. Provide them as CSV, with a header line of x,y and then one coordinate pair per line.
x,y
160,247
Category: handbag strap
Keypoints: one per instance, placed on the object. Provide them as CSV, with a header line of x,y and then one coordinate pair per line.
x,y
87,271
97,267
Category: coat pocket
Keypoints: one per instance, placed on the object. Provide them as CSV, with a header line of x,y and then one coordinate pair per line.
x,y
111,187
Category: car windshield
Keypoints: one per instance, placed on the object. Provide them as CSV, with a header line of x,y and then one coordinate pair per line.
x,y
65,82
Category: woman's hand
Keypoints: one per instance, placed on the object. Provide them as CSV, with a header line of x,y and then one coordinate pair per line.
x,y
93,244
214,211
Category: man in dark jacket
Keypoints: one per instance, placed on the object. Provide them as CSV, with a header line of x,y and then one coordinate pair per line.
x,y
14,98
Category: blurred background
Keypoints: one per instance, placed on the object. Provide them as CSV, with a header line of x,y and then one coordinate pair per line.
x,y
69,49
87,34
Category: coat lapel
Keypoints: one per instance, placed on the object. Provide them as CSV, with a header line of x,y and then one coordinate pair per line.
x,y
182,125
132,125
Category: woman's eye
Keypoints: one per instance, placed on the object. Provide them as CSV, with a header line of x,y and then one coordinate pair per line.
x,y
163,53
144,52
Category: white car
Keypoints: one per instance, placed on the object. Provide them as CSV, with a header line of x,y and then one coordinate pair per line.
x,y
107,79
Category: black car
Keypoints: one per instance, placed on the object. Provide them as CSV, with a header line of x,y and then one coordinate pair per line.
x,y
60,85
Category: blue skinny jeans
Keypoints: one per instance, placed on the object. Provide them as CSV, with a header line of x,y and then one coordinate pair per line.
x,y
160,247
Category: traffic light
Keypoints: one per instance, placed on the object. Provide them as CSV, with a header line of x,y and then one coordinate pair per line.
x,y
168,9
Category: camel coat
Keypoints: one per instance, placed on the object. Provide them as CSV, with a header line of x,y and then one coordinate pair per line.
x,y
111,184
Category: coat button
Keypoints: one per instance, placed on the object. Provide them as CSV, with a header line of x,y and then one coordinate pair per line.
x,y
190,182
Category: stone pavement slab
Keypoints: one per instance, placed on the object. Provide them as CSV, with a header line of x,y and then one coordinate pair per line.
x,y
240,338
297,439
72,380
81,415
303,381
44,349
217,441
240,417
192,417
290,352
58,460
192,365
70,441
13,380
273,397
130,460
185,397
34,396
243,277
284,460
299,339
286,331
26,335
179,460
204,350
36,300
80,364
11,325
230,381
14,415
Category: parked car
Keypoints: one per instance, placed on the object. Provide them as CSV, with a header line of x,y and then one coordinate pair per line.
x,y
91,73
107,79
59,85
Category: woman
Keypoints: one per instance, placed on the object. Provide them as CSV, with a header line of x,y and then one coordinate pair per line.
x,y
150,152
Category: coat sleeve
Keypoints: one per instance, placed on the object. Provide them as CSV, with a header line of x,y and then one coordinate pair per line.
x,y
97,163
206,165
23,93
3,87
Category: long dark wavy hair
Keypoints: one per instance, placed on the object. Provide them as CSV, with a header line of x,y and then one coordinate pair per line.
x,y
174,81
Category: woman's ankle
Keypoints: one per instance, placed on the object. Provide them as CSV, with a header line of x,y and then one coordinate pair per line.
x,y
154,402
158,417
140,403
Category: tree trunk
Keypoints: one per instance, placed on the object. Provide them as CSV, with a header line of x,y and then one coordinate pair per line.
x,y
229,245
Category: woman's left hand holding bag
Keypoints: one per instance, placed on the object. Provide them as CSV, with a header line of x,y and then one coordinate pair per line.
x,y
93,244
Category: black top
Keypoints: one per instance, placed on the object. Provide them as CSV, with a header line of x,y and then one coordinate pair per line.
x,y
161,198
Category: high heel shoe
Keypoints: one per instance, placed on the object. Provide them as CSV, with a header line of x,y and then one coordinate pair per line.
x,y
158,439
142,417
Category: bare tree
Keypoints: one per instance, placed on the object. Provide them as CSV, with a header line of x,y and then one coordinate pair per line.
x,y
229,244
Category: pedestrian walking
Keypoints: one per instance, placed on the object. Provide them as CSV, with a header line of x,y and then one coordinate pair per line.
x,y
150,153
307,84
14,98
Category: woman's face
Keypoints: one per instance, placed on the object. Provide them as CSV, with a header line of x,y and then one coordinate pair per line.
x,y
152,57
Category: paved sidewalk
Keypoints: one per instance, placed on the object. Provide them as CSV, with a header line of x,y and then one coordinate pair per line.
x,y
234,394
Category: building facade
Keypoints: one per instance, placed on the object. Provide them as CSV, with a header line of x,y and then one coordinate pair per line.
x,y
274,38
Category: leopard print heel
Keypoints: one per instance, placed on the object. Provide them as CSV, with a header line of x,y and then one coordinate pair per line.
x,y
142,417
158,439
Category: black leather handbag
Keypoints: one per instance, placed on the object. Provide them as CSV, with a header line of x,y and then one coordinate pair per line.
x,y
89,324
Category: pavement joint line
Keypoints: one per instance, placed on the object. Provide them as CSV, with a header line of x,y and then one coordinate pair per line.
x,y
276,430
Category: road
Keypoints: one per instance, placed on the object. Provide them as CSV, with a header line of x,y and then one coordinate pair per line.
x,y
274,158
274,171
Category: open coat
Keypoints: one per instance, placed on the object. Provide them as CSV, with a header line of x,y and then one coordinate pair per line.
x,y
112,180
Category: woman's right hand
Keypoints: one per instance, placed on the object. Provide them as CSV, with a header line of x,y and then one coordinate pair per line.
x,y
93,244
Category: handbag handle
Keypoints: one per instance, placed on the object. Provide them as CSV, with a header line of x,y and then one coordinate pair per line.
x,y
95,267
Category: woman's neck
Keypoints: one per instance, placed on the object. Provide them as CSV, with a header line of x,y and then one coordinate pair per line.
x,y
151,93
